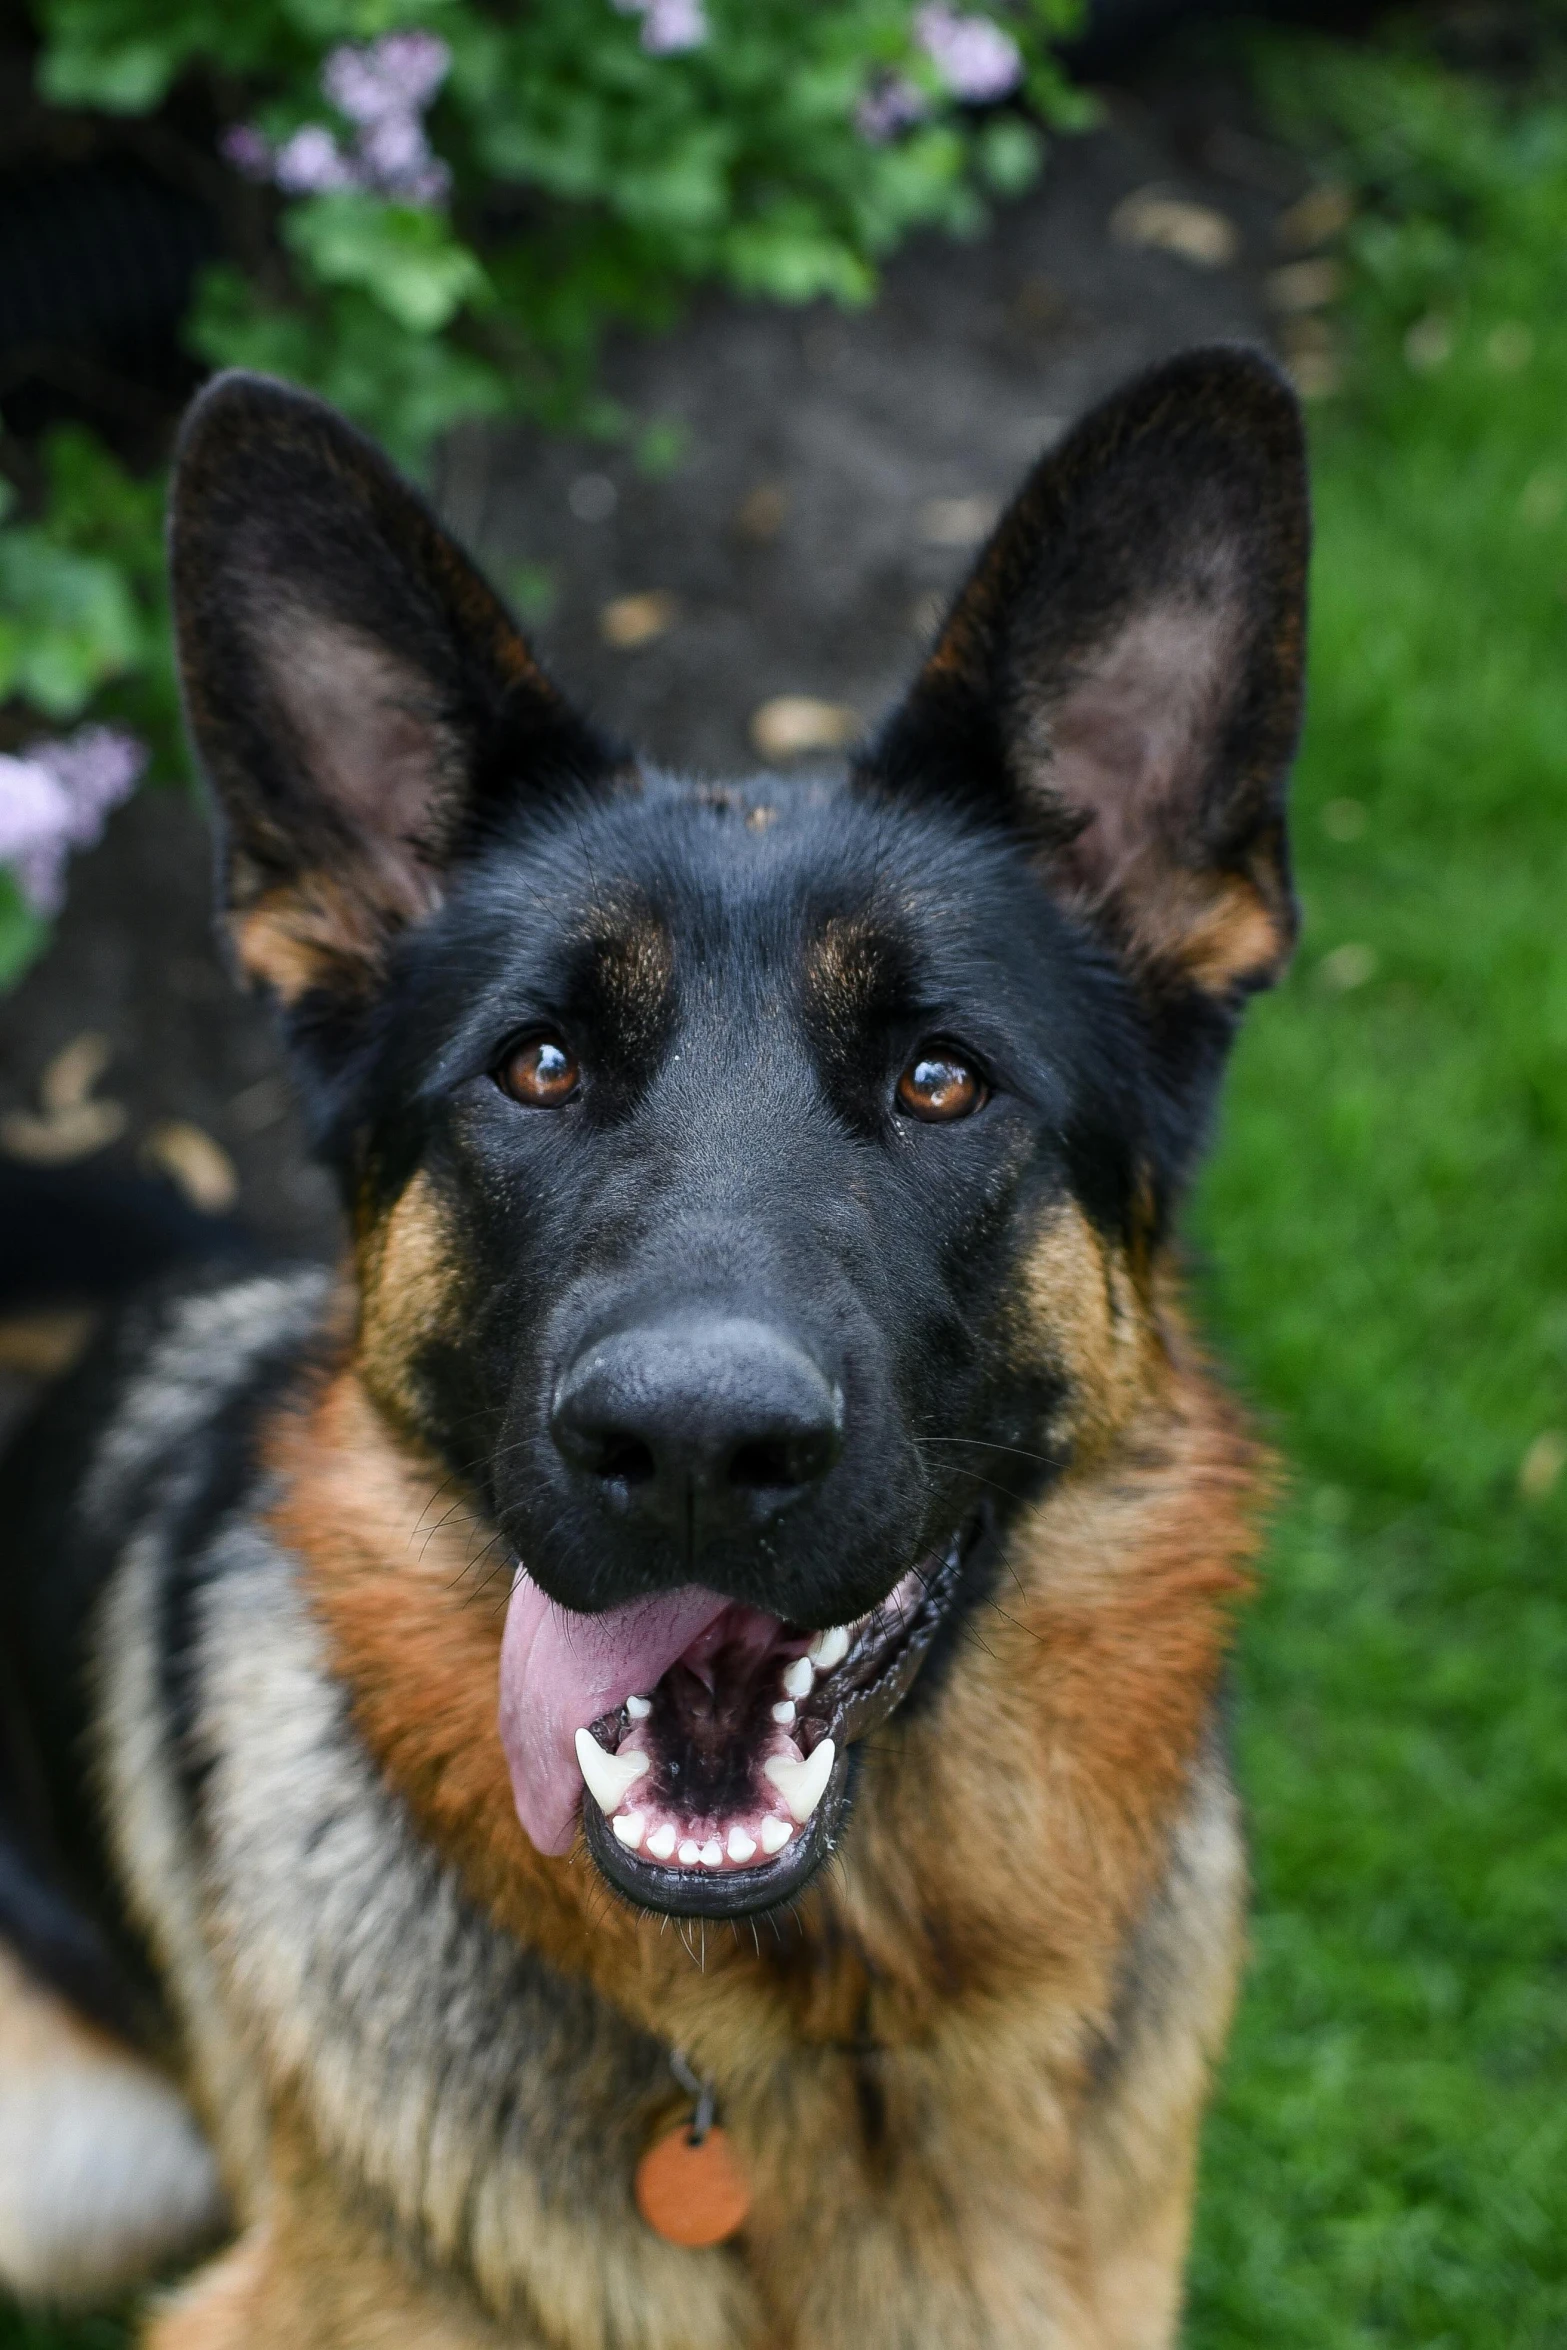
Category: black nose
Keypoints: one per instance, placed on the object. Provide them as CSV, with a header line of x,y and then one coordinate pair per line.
x,y
708,1423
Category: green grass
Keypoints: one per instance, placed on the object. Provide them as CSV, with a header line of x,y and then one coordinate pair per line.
x,y
1386,1228
1386,1222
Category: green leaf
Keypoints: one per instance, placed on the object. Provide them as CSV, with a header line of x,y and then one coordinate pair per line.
x,y
532,591
23,933
407,388
1010,153
403,255
69,622
662,446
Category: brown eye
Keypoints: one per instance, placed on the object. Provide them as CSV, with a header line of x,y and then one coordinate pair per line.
x,y
937,1087
542,1074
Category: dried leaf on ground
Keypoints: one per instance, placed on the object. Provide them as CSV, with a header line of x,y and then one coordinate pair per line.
x,y
629,621
54,1141
1304,285
201,1167
69,1078
957,522
41,1346
793,723
1322,214
1154,219
760,515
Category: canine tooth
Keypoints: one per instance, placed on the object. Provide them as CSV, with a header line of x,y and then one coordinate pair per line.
x,y
829,1648
639,1708
629,1827
775,1835
783,1711
712,1854
799,1677
610,1777
801,1784
661,1843
741,1846
690,1854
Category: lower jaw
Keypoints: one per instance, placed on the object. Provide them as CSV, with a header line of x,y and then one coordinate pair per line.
x,y
734,1893
768,1885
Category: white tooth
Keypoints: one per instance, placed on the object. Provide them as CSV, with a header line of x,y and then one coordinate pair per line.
x,y
741,1846
639,1708
661,1843
775,1835
629,1827
799,1677
801,1784
783,1711
610,1777
829,1648
690,1854
712,1854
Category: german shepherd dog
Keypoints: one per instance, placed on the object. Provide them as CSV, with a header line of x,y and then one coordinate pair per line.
x,y
723,1594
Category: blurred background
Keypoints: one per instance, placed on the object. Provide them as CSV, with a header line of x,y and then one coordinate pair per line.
x,y
718,329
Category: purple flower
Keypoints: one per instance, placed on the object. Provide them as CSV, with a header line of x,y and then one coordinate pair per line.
x,y
397,75
670,26
890,105
54,798
248,149
383,88
975,58
397,158
312,163
34,815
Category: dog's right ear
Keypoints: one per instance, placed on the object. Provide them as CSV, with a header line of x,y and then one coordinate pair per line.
x,y
358,696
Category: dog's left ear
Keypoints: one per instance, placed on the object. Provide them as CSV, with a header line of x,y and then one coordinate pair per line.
x,y
1122,675
357,694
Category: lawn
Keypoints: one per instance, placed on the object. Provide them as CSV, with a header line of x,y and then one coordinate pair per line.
x,y
1383,1239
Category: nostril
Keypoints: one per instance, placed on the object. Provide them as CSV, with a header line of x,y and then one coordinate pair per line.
x,y
761,1466
778,1464
625,1460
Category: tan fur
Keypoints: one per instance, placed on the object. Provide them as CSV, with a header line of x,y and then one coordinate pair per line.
x,y
635,967
407,1295
321,930
1216,931
317,2274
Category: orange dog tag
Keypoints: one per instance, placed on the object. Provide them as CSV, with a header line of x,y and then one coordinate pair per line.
x,y
689,2188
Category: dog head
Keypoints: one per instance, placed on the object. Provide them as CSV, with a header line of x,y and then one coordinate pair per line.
x,y
754,1188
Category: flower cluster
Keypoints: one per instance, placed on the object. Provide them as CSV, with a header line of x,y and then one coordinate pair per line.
x,y
977,61
383,89
54,798
668,26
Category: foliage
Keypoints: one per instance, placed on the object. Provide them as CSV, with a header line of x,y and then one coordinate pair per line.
x,y
1388,2161
580,176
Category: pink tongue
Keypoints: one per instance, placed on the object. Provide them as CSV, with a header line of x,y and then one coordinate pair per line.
x,y
560,1671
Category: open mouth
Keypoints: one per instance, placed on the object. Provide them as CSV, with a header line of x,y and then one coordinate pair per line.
x,y
719,1785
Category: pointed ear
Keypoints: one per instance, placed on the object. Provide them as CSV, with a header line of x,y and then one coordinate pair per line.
x,y
1122,674
359,698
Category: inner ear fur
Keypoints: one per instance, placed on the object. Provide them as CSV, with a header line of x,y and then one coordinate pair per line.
x,y
1121,676
359,698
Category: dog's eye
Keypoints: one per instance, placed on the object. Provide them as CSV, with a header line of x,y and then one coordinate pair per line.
x,y
542,1074
937,1086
